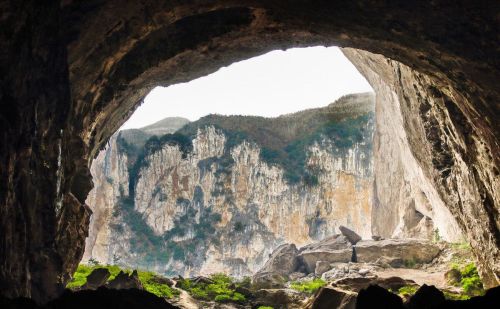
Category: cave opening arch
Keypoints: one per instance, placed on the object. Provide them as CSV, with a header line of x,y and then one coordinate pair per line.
x,y
443,73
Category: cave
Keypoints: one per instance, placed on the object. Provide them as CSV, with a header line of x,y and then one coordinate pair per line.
x,y
74,71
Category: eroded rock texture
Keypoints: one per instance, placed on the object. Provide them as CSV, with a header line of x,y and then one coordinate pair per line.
x,y
209,200
119,50
444,156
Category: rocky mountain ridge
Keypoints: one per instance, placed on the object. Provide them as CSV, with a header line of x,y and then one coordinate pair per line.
x,y
221,193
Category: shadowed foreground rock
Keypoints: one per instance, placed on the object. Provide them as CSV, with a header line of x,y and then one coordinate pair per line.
x,y
101,298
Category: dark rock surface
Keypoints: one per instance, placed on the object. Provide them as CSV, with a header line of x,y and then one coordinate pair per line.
x,y
426,297
349,234
126,281
377,297
329,297
73,71
101,298
96,278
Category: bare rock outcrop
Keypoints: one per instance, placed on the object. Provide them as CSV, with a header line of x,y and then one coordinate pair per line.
x,y
96,278
352,236
330,297
332,250
396,252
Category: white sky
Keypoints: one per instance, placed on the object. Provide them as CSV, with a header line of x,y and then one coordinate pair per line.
x,y
279,82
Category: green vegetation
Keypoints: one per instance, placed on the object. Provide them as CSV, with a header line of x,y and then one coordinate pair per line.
x,y
407,290
265,307
470,281
156,285
221,289
150,281
309,287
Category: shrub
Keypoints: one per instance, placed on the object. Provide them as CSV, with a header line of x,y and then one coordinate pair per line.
x,y
265,307
221,290
153,284
407,290
470,282
308,287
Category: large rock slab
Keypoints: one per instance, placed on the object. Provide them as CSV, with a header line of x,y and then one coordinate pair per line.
x,y
97,278
333,249
352,236
282,262
396,252
329,297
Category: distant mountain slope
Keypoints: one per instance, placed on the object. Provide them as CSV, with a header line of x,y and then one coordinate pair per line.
x,y
277,132
220,193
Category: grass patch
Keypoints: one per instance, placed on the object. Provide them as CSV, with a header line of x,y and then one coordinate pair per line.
x,y
308,287
221,289
407,290
265,307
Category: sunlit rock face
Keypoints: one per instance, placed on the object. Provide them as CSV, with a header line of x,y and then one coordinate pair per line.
x,y
223,205
432,141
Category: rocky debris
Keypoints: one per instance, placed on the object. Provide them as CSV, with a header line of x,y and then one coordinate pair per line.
x,y
357,284
96,278
296,275
268,280
277,297
330,297
377,238
426,297
396,252
322,267
333,249
375,296
349,234
348,270
126,281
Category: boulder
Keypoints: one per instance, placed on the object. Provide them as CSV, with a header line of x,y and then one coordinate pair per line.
x,y
296,275
283,260
375,296
268,280
96,278
453,277
322,267
126,281
396,252
333,249
330,297
426,297
349,234
277,297
377,237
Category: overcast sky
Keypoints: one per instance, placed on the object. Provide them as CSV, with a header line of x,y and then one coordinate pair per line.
x,y
279,82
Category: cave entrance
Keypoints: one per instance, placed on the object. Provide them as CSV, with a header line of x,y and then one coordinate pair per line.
x,y
210,207
220,191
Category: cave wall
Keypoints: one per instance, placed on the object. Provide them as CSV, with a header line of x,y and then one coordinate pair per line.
x,y
442,154
73,71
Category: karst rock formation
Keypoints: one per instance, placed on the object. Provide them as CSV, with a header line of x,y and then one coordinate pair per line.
x,y
73,71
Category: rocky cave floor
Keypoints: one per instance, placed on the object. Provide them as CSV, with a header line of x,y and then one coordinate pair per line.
x,y
388,273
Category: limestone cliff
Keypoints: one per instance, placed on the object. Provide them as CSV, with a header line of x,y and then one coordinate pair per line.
x,y
221,193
